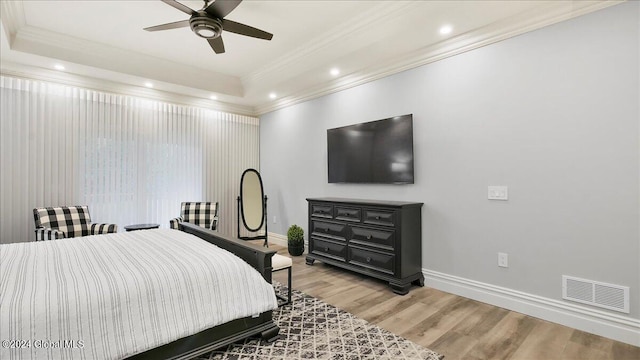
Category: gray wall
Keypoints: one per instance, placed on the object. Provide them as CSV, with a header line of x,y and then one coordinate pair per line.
x,y
552,114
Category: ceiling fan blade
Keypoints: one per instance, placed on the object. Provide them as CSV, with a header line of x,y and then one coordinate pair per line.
x,y
222,8
173,25
217,44
242,29
185,9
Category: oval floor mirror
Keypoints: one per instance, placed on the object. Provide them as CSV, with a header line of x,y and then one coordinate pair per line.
x,y
252,205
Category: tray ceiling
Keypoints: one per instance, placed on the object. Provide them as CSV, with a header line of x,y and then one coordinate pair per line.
x,y
101,44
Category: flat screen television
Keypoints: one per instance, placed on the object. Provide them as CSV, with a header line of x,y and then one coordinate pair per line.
x,y
377,152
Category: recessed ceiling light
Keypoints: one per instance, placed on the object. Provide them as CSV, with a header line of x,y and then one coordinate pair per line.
x,y
148,84
58,67
273,95
335,71
213,97
446,29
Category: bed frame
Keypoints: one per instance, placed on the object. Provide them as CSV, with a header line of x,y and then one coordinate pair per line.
x,y
235,330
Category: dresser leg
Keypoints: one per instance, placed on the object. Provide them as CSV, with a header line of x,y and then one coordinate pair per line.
x,y
419,281
309,261
400,289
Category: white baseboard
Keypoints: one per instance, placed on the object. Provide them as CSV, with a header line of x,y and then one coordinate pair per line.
x,y
277,239
621,328
281,240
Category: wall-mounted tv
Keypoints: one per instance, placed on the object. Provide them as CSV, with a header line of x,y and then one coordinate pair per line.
x,y
378,152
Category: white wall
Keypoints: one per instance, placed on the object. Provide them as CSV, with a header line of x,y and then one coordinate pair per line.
x,y
553,114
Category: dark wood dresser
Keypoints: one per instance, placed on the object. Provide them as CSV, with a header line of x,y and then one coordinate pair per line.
x,y
382,239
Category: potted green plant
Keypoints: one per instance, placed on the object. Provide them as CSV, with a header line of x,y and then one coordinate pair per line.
x,y
295,240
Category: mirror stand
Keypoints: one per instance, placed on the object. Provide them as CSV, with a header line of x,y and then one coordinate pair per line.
x,y
252,205
257,237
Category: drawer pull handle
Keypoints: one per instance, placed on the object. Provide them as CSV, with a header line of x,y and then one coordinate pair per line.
x,y
368,237
326,249
326,230
368,259
377,217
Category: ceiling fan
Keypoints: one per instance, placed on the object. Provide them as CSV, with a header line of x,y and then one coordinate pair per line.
x,y
209,22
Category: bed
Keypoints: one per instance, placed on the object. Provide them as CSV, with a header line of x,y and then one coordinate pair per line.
x,y
153,294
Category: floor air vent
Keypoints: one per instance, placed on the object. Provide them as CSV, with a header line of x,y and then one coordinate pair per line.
x,y
608,296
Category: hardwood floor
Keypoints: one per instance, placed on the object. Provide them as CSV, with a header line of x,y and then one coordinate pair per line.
x,y
456,327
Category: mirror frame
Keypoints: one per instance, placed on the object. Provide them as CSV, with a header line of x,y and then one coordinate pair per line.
x,y
262,200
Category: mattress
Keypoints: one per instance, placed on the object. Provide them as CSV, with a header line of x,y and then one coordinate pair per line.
x,y
116,295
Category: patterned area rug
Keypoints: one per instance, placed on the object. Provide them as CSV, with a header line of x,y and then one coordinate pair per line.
x,y
313,329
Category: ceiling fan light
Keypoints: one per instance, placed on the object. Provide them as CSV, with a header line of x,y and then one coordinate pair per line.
x,y
205,32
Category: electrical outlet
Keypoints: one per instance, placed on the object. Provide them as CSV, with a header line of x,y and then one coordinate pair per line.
x,y
274,219
503,260
498,193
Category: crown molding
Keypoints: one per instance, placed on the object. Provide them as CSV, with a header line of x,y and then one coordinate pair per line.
x,y
191,82
381,12
13,18
53,39
50,44
35,73
547,14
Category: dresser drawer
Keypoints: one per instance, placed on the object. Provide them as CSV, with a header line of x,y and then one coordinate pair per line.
x,y
379,217
330,249
322,210
348,214
384,239
372,259
327,229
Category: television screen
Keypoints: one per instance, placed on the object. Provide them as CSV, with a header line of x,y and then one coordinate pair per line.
x,y
378,152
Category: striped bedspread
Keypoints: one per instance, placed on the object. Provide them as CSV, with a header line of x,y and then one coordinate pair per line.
x,y
116,295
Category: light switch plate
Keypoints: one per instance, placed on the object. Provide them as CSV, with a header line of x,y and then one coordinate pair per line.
x,y
498,193
503,260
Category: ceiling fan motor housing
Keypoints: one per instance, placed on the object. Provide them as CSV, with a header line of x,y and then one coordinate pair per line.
x,y
205,26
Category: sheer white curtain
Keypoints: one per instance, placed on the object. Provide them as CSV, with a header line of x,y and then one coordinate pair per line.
x,y
131,160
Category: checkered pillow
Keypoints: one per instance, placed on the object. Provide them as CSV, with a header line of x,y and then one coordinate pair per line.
x,y
203,214
72,220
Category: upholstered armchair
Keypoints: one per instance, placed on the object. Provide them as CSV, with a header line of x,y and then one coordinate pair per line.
x,y
67,222
204,214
